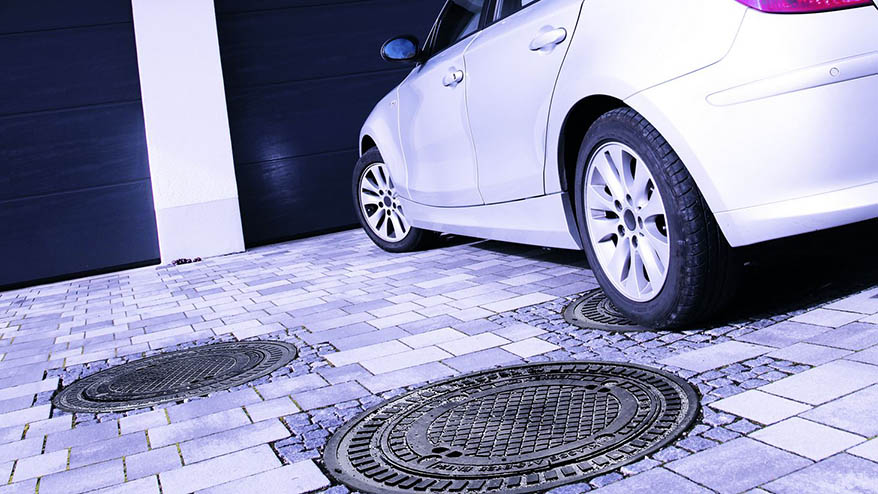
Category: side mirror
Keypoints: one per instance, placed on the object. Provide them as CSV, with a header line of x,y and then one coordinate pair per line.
x,y
401,49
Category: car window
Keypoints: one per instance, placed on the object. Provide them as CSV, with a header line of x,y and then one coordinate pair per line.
x,y
508,7
459,20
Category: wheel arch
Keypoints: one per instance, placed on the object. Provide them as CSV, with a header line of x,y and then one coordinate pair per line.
x,y
367,143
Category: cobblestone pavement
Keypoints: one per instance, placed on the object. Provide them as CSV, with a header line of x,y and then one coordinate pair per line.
x,y
789,377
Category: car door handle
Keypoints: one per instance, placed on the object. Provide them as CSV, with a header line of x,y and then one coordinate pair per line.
x,y
453,78
548,39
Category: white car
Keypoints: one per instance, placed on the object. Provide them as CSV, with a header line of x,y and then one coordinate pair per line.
x,y
656,135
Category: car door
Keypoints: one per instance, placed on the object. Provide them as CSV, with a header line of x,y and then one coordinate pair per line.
x,y
511,72
433,124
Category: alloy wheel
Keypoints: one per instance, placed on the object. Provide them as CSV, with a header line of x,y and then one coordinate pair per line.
x,y
380,204
627,222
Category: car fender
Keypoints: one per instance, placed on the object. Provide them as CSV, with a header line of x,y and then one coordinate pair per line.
x,y
382,128
677,37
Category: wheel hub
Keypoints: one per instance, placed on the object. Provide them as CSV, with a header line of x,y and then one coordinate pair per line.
x,y
630,220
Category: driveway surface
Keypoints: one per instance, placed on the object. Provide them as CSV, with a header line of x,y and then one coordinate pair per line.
x,y
788,377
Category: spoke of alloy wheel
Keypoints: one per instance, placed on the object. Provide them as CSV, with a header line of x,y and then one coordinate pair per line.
x,y
368,186
621,257
599,200
635,282
604,228
402,221
609,173
378,173
375,219
639,192
397,227
388,225
652,208
617,158
654,267
370,199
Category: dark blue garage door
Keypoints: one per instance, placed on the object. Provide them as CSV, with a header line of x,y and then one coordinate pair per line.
x,y
301,76
75,193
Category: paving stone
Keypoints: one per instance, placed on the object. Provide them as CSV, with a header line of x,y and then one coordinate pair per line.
x,y
482,360
25,487
404,360
434,337
83,479
24,416
864,303
201,426
655,481
338,333
336,375
840,474
737,465
277,407
116,447
366,339
37,466
716,356
518,332
29,388
297,478
808,353
213,404
232,440
152,462
761,407
827,317
472,344
81,435
148,485
287,387
854,336
825,383
406,377
806,438
530,347
54,424
346,357
217,471
143,421
331,395
856,412
868,450
867,356
784,334
518,302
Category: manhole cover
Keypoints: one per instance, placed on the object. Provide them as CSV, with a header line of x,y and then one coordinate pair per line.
x,y
595,311
512,430
174,376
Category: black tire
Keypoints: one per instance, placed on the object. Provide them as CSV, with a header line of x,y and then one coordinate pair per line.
x,y
702,269
415,239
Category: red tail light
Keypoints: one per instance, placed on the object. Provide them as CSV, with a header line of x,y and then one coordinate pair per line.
x,y
800,6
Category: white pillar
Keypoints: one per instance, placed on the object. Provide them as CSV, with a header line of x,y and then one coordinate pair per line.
x,y
187,129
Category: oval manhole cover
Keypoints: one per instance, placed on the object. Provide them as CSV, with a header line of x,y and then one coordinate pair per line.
x,y
513,430
595,311
174,376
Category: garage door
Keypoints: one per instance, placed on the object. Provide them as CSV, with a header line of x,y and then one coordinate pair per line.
x,y
75,193
301,76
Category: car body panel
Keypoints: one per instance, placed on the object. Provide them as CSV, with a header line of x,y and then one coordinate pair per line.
x,y
546,221
435,133
505,76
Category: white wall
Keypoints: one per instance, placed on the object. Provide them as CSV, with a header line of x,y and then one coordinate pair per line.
x,y
187,128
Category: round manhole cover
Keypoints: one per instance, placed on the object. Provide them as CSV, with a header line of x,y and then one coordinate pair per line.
x,y
513,430
174,376
595,311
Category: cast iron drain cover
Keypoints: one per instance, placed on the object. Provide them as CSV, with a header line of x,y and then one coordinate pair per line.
x,y
512,430
595,311
174,376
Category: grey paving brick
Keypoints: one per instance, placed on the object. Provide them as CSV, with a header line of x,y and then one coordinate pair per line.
x,y
81,435
784,334
233,440
806,438
518,332
149,485
338,393
213,404
655,481
868,356
313,338
716,356
197,427
761,407
37,466
217,471
839,474
855,336
406,377
25,487
827,317
808,353
152,462
116,447
370,352
29,388
482,360
367,339
737,465
404,360
24,416
143,421
289,386
83,479
826,382
336,375
277,407
530,347
868,450
472,344
297,478
856,412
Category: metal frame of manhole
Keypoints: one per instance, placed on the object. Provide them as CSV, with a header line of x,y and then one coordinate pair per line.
x,y
513,430
593,310
174,376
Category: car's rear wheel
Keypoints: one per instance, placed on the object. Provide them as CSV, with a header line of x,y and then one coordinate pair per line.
x,y
649,236
379,209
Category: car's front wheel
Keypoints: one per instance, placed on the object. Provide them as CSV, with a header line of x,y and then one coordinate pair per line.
x,y
379,209
649,236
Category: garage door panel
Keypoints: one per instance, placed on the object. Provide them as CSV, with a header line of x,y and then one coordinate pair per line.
x,y
296,195
315,42
67,150
96,65
77,232
31,15
230,6
303,118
